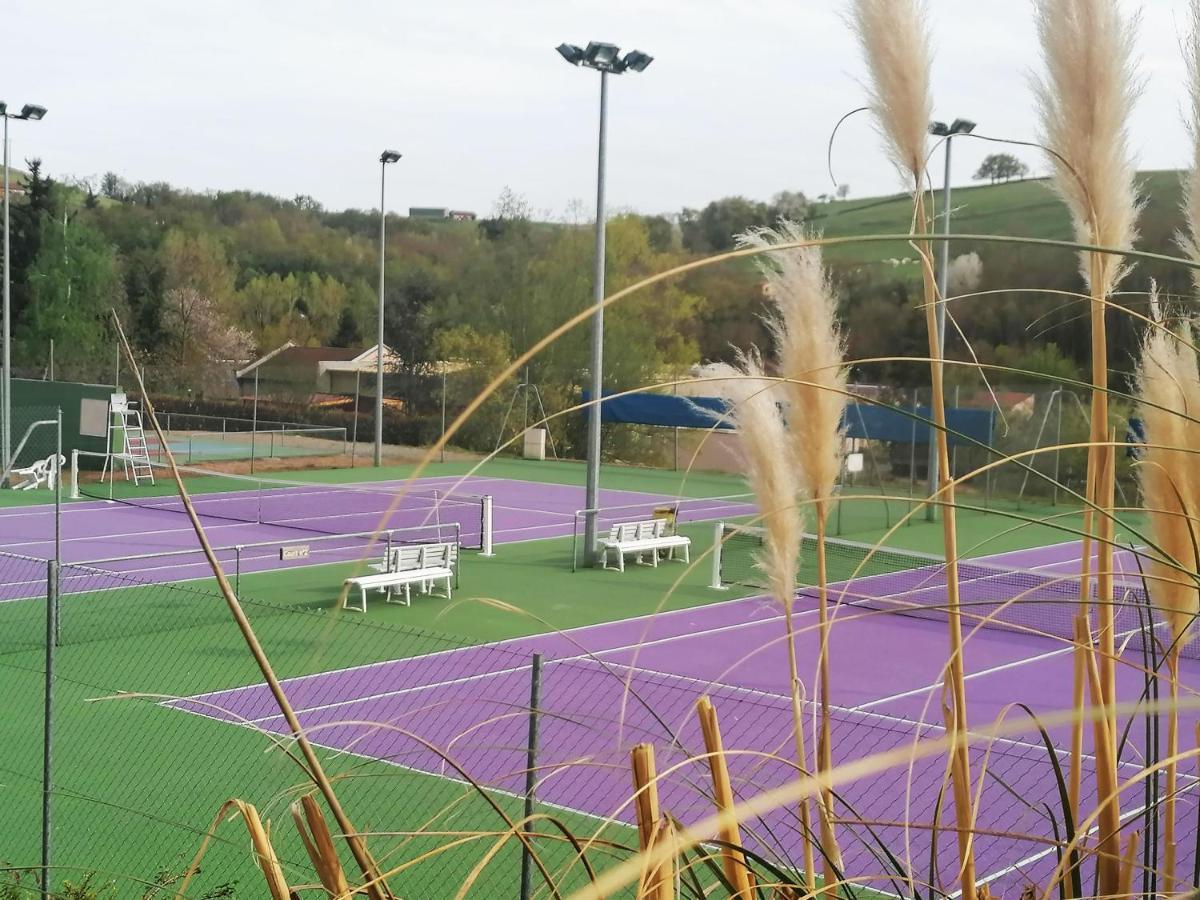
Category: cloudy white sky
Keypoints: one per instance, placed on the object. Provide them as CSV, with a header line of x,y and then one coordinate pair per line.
x,y
300,96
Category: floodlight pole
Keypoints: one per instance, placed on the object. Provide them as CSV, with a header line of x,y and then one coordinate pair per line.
x,y
388,156
6,412
592,498
29,111
958,126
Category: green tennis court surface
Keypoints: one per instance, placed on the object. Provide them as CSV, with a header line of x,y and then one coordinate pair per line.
x,y
138,783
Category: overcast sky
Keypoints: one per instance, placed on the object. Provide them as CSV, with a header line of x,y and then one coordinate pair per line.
x,y
299,97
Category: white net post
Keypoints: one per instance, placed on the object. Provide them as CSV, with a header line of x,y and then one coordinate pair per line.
x,y
485,539
718,547
74,474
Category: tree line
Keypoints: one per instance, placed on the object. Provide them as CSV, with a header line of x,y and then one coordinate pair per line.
x,y
207,281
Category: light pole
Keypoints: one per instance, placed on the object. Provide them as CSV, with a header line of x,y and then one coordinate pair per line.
x,y
388,156
941,129
32,113
607,60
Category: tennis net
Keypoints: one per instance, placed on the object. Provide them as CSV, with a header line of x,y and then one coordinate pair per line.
x,y
307,506
914,584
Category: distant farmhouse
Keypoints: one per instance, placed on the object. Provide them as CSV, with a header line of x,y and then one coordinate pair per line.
x,y
440,212
292,372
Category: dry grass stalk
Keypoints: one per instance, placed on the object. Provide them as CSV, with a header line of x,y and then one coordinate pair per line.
x,y
657,881
1168,383
811,352
894,38
260,841
732,860
1129,864
318,843
775,483
1108,839
1085,101
375,887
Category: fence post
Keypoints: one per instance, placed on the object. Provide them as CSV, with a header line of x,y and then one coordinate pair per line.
x,y
531,755
912,455
52,573
1057,446
237,570
485,539
443,451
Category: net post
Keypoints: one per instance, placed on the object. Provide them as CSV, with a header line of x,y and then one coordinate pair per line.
x,y
718,534
531,755
575,543
485,540
75,474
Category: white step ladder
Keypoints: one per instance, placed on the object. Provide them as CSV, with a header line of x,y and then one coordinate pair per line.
x,y
135,455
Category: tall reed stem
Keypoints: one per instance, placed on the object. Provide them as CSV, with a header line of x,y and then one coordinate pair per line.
x,y
829,845
1172,774
961,765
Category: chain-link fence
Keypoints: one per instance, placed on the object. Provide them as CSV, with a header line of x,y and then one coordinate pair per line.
x,y
160,715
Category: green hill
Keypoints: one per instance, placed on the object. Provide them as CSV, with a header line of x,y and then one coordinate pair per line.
x,y
1025,208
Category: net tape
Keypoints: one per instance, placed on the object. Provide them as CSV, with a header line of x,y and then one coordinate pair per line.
x,y
308,506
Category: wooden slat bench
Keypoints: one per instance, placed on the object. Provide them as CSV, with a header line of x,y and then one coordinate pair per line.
x,y
639,538
421,564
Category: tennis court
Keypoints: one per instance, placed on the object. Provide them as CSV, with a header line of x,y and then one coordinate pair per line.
x,y
647,673
381,691
249,519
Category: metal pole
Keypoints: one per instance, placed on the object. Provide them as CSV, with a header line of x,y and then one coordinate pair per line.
x,y
912,454
6,412
592,501
52,571
58,464
443,455
254,422
354,442
379,323
51,359
1057,444
531,754
52,584
940,313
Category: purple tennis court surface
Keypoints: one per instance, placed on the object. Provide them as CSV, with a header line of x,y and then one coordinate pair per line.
x,y
607,687
155,540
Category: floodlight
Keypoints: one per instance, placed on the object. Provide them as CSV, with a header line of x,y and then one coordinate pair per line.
x,y
962,126
571,53
941,129
599,55
32,112
637,60
3,107
389,156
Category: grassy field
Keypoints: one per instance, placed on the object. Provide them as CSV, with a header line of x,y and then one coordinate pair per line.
x,y
137,783
1019,208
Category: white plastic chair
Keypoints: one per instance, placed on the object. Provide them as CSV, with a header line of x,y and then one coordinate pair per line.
x,y
42,473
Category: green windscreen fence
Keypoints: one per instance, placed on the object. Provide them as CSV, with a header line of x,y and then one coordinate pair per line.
x,y
84,410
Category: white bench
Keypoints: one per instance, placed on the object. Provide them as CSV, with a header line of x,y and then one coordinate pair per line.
x,y
639,538
42,473
422,564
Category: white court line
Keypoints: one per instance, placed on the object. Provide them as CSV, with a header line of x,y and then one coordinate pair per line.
x,y
464,679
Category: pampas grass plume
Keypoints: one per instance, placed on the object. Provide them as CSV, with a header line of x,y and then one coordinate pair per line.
x,y
895,42
1086,100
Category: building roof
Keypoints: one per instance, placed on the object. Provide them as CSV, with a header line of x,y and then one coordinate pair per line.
x,y
324,359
